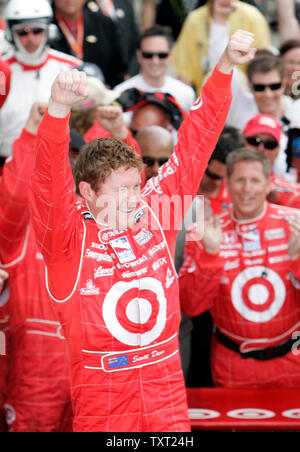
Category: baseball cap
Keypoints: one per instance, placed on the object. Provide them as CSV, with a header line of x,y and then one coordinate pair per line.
x,y
263,123
132,99
98,95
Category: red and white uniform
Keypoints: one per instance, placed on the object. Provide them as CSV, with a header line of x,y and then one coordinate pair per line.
x,y
29,84
4,350
220,202
252,291
37,398
116,291
287,193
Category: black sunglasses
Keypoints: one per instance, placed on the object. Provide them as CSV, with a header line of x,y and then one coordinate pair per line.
x,y
260,87
149,161
213,175
270,145
150,55
26,31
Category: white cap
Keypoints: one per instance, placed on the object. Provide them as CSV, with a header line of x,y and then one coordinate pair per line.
x,y
292,113
99,95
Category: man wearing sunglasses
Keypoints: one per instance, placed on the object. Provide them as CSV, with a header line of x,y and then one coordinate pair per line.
x,y
154,54
33,65
266,96
263,133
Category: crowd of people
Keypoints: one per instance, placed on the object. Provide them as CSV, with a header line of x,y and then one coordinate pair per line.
x,y
149,225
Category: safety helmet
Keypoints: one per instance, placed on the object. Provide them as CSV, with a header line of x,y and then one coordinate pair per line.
x,y
26,11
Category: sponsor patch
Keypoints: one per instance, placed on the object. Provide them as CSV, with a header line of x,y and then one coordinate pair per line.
x,y
274,234
90,288
170,278
87,215
251,241
118,361
123,250
140,213
143,237
102,271
229,265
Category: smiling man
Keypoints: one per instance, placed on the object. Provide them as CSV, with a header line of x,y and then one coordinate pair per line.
x,y
113,277
245,270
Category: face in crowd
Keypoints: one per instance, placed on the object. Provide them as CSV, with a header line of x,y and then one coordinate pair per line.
x,y
248,186
213,178
268,88
154,57
156,145
30,36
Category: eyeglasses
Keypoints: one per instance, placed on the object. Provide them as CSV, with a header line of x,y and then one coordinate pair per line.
x,y
150,55
25,31
259,87
270,145
149,161
213,175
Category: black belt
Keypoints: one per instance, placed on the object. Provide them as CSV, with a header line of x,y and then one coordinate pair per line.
x,y
263,355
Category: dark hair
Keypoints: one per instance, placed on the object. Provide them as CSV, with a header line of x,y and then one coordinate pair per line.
x,y
156,30
229,140
289,45
264,64
100,157
247,155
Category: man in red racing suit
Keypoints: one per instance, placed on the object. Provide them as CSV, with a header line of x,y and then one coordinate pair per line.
x,y
37,397
116,290
250,282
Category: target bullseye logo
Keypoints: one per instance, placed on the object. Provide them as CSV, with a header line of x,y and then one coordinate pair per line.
x,y
125,314
251,413
254,296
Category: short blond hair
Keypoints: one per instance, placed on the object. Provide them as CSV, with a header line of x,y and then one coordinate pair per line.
x,y
247,155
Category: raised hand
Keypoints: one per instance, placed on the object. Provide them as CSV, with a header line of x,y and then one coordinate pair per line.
x,y
238,51
111,119
36,114
68,89
294,241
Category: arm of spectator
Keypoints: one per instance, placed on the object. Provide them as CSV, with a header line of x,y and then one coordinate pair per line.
x,y
287,21
199,277
148,13
294,241
15,210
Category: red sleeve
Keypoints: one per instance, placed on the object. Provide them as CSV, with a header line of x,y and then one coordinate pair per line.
x,y
14,208
5,75
199,279
52,194
197,138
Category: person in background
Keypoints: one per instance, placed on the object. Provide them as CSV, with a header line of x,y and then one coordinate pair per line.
x,y
122,13
245,270
75,145
205,34
37,397
33,65
290,55
267,85
263,133
154,55
85,32
288,24
156,146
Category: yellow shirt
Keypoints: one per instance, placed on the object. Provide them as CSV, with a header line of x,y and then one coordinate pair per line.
x,y
191,51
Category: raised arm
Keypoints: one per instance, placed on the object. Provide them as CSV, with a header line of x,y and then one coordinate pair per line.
x,y
199,132
53,198
15,207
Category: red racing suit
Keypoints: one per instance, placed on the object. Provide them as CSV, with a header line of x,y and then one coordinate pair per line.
x,y
4,350
286,193
251,288
117,291
38,393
